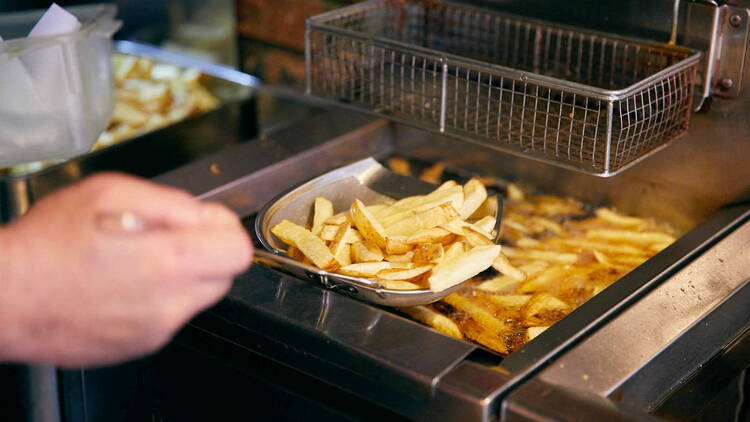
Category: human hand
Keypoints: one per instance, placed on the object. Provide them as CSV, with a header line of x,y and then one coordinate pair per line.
x,y
76,290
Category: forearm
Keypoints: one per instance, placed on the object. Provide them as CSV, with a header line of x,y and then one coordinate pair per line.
x,y
12,312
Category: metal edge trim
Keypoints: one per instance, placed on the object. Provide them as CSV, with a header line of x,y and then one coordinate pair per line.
x,y
213,69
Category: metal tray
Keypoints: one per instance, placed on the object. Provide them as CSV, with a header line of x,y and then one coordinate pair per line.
x,y
367,181
583,100
152,153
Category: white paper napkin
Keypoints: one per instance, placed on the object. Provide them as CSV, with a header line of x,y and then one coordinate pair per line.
x,y
55,21
54,72
19,104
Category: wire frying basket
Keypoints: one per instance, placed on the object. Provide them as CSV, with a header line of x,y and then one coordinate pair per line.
x,y
583,100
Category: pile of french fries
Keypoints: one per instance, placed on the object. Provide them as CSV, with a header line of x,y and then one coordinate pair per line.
x,y
432,241
556,253
563,254
150,95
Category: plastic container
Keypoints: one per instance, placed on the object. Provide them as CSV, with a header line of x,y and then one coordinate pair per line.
x,y
56,92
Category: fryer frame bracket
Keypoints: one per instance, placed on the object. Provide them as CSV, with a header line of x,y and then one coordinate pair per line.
x,y
721,32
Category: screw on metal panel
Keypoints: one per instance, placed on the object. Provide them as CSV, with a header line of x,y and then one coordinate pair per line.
x,y
727,83
735,20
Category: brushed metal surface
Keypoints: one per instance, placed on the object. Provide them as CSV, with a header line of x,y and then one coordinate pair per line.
x,y
365,350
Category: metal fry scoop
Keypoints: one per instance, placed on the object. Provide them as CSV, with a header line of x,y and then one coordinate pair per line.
x,y
367,181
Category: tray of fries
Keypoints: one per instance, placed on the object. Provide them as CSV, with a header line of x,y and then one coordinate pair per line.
x,y
155,89
413,243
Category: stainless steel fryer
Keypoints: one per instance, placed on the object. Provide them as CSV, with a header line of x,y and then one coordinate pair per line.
x,y
619,356
365,351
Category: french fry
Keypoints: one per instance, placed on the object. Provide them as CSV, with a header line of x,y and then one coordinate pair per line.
x,y
610,248
474,195
129,115
347,234
367,225
377,210
631,260
598,288
338,219
514,193
342,252
511,223
454,195
431,253
431,235
488,208
398,285
508,301
436,320
619,219
455,226
533,268
415,204
658,247
397,245
447,184
403,274
542,307
433,173
462,267
295,253
124,66
481,335
309,244
427,219
322,210
399,166
532,332
604,259
541,224
328,232
630,236
371,269
542,281
500,284
528,243
449,210
552,206
503,266
552,256
460,228
366,251
453,251
478,313
405,257
486,224
475,237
